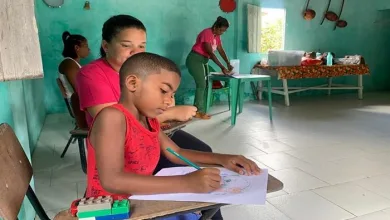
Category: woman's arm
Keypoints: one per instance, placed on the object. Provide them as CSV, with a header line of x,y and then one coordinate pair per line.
x,y
94,110
108,138
207,46
223,54
94,91
177,113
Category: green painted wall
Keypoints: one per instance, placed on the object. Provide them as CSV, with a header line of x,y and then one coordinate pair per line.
x,y
5,113
172,28
23,99
173,25
22,107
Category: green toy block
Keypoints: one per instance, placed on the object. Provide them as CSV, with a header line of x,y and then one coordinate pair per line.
x,y
120,206
96,213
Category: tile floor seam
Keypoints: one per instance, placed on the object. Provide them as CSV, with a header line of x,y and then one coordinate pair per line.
x,y
377,194
291,218
334,203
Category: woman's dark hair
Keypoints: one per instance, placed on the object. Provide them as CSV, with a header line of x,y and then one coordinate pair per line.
x,y
116,24
221,22
70,41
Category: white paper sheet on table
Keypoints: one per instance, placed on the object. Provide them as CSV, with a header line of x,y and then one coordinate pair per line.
x,y
222,74
236,75
236,189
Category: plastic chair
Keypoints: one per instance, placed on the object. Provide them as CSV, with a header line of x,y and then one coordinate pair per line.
x,y
68,105
80,133
225,88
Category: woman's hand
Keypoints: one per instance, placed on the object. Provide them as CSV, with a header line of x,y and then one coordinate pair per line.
x,y
180,113
230,67
239,164
225,71
173,103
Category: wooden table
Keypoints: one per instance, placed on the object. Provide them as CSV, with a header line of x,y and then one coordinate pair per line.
x,y
157,209
237,86
170,127
286,73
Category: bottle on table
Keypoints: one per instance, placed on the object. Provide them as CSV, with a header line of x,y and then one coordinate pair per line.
x,y
329,59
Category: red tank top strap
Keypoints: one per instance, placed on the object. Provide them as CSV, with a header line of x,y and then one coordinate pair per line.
x,y
154,124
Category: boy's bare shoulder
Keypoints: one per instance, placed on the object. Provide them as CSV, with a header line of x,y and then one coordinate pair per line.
x,y
110,116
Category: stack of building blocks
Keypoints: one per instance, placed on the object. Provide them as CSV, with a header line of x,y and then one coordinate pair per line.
x,y
101,208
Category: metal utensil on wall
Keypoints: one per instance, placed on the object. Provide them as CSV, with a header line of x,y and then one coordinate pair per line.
x,y
341,23
329,15
54,3
308,14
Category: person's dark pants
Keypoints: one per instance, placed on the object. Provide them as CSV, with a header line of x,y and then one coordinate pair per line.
x,y
186,141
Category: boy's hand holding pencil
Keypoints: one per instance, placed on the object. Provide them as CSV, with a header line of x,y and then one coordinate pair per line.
x,y
203,181
208,179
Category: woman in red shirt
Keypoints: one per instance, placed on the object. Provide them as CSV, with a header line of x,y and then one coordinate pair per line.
x,y
208,41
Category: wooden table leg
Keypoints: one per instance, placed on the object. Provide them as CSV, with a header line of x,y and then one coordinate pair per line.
x,y
285,93
329,85
360,85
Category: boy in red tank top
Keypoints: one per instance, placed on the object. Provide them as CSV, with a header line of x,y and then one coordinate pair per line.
x,y
125,141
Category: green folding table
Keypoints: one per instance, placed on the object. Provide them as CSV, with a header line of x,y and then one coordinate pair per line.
x,y
237,86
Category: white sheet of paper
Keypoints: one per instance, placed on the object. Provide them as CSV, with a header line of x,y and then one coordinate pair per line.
x,y
236,189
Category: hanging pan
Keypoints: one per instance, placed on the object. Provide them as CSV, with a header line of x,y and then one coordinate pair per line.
x,y
54,3
329,15
341,23
308,14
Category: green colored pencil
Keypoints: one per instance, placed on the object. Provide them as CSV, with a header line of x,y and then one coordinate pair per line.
x,y
183,159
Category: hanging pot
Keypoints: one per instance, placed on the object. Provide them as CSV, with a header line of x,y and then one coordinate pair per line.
x,y
308,14
227,5
341,23
329,15
54,3
87,5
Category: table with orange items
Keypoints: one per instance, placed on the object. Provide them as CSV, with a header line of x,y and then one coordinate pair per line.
x,y
286,73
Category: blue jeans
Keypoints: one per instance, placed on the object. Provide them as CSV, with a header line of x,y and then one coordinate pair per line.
x,y
189,216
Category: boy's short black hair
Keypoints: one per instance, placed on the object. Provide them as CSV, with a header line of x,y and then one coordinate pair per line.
x,y
143,64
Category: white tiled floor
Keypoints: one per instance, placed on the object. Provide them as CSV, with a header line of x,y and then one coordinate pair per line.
x,y
332,153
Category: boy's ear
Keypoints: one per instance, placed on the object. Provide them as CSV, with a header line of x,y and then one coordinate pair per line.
x,y
132,82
